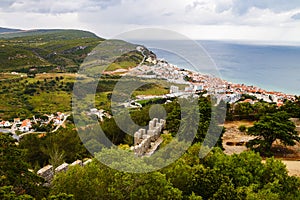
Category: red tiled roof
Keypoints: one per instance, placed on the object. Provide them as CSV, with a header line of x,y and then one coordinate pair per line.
x,y
26,122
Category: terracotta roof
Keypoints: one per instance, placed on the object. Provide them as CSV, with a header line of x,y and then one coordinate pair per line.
x,y
247,101
26,122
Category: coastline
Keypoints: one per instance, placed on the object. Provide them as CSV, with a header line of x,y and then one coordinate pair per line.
x,y
235,69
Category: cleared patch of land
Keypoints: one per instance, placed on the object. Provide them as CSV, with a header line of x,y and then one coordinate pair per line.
x,y
234,143
293,167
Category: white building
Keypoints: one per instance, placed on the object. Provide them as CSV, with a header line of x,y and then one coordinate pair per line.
x,y
26,125
189,89
5,124
198,87
24,129
174,89
93,110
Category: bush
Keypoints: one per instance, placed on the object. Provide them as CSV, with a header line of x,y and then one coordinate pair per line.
x,y
242,128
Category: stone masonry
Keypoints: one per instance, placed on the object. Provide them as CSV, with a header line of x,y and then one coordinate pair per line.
x,y
144,138
48,173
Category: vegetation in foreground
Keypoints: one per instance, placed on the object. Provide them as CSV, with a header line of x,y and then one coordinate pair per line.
x,y
217,176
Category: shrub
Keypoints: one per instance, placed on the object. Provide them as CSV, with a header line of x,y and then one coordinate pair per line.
x,y
242,128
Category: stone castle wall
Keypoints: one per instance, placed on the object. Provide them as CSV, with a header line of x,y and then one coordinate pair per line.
x,y
48,173
144,138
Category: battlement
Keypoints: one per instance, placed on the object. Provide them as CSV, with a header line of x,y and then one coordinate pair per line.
x,y
143,138
48,173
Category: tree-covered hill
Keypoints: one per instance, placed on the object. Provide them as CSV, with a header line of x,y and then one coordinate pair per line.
x,y
62,49
8,30
66,33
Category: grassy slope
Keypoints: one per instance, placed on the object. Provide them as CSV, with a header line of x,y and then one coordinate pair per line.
x,y
48,49
49,93
24,97
64,48
112,55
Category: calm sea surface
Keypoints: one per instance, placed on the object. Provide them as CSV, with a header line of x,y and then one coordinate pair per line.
x,y
270,67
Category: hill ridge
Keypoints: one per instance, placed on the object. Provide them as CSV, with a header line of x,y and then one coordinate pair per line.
x,y
45,48
4,30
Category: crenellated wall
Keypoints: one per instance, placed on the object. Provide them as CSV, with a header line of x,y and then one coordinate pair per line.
x,y
144,138
143,141
48,173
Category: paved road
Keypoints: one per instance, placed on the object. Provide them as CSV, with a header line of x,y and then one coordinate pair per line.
x,y
65,118
143,58
2,130
14,135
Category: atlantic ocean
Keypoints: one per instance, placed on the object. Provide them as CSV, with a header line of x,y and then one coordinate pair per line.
x,y
270,67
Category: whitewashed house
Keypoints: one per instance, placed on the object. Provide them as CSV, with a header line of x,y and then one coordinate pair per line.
x,y
57,121
5,124
174,89
17,120
198,87
60,115
26,125
24,129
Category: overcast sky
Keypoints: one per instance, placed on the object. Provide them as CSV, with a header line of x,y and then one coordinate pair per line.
x,y
267,20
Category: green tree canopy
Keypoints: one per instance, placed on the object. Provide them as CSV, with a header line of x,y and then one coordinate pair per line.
x,y
15,172
272,127
97,181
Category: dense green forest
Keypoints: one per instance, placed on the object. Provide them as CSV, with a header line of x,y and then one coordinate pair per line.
x,y
216,176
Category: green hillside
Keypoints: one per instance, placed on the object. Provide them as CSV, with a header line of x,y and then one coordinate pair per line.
x,y
8,30
51,49
50,33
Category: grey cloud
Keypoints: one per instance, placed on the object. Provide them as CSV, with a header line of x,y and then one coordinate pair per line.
x,y
6,3
241,7
55,6
168,14
193,6
106,3
221,7
296,16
